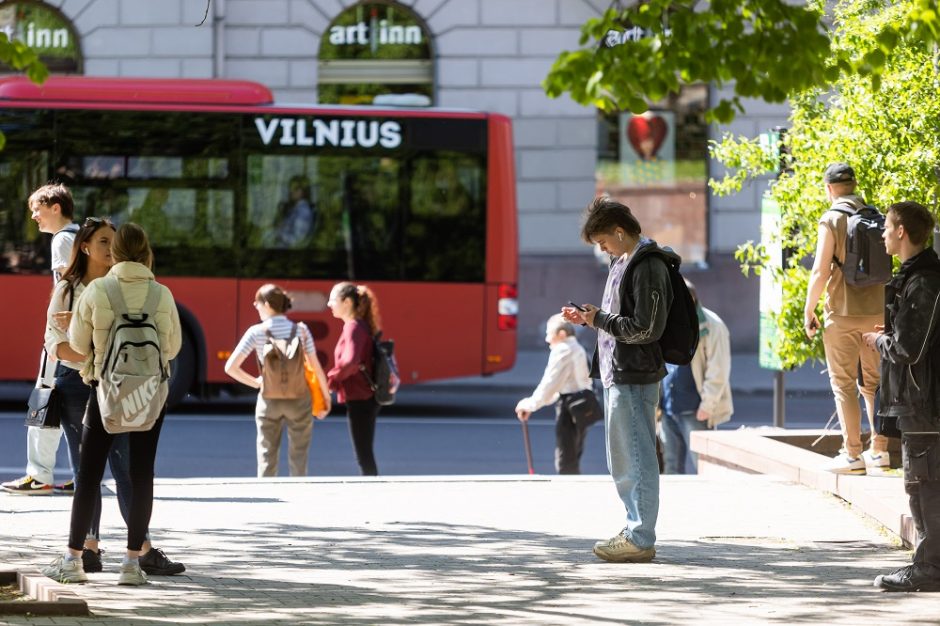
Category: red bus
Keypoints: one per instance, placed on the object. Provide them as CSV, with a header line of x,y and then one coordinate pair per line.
x,y
236,191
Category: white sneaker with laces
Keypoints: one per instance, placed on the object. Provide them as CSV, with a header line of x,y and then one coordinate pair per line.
x,y
66,570
876,462
845,464
131,574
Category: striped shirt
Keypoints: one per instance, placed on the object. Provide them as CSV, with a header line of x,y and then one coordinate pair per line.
x,y
256,336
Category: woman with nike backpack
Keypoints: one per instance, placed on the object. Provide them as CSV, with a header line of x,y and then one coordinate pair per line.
x,y
128,292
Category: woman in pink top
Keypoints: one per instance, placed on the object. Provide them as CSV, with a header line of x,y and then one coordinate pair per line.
x,y
352,370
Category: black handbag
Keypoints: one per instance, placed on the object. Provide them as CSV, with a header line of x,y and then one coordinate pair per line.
x,y
44,406
584,407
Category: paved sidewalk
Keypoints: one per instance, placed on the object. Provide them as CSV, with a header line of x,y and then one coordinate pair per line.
x,y
478,550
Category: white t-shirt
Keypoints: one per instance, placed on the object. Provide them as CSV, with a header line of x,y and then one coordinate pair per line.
x,y
62,243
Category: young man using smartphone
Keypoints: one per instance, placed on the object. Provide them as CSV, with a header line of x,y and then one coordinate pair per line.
x,y
630,364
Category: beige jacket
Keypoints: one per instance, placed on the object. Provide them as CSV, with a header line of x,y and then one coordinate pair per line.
x,y
711,369
92,316
58,303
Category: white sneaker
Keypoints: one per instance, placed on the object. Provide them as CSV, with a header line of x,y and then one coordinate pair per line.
x,y
66,570
876,462
131,574
845,464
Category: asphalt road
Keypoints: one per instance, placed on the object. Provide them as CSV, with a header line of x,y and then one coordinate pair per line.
x,y
431,430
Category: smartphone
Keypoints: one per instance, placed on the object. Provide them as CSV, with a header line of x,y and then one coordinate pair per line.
x,y
577,306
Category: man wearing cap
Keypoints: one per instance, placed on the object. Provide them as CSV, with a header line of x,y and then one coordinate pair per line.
x,y
849,312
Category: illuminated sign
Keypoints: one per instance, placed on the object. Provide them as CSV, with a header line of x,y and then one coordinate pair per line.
x,y
45,31
361,33
345,133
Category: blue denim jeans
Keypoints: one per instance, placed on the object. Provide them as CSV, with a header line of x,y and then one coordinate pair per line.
x,y
677,453
74,395
630,425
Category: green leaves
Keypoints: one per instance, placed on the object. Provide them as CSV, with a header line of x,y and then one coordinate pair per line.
x,y
768,49
20,57
765,48
884,125
17,55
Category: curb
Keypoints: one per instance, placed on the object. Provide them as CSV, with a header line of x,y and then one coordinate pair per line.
x,y
779,452
52,598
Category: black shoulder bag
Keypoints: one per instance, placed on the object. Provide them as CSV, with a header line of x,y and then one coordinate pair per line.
x,y
583,407
44,403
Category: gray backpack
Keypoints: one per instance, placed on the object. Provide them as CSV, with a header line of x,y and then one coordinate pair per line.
x,y
133,387
866,261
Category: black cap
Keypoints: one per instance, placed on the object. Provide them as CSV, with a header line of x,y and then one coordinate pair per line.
x,y
839,173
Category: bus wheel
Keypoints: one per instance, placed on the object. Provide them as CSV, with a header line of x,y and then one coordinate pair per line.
x,y
182,372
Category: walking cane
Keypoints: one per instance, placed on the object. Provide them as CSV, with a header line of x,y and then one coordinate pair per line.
x,y
528,445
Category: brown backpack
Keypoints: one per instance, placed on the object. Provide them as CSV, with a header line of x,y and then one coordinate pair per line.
x,y
282,368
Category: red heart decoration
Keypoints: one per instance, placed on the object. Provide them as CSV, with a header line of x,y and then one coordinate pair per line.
x,y
646,134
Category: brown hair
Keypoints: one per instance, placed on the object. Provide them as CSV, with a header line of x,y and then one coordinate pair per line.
x,y
604,215
275,297
915,218
54,193
365,304
78,266
130,243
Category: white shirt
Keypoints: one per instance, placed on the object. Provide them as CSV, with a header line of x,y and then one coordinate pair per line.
x,y
62,243
566,372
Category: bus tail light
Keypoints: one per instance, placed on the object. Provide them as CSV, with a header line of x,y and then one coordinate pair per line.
x,y
507,307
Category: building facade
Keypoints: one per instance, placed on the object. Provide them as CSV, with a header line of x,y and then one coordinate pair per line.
x,y
482,54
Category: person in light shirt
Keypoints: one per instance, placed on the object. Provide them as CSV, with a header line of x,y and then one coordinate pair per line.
x,y
565,374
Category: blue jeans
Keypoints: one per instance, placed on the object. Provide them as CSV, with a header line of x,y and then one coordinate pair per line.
x,y
630,425
74,393
677,453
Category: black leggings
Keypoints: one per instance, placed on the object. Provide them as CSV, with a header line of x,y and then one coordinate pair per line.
x,y
96,443
362,414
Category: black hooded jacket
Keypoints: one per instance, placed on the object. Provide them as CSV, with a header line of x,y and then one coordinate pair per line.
x,y
645,298
910,345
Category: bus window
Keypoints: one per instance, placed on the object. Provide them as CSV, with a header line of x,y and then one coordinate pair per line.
x,y
25,163
326,216
447,199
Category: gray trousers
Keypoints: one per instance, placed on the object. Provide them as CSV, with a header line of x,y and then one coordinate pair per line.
x,y
271,416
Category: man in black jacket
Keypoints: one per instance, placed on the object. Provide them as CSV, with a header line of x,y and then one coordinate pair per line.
x,y
629,362
909,345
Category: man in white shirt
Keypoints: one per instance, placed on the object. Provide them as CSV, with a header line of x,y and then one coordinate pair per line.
x,y
52,208
566,373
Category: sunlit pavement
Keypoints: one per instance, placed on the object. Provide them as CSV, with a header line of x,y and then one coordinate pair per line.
x,y
474,550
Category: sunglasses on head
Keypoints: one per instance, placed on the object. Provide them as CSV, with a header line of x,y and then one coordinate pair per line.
x,y
95,221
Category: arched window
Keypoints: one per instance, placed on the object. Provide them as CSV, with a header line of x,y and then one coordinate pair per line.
x,y
46,30
376,52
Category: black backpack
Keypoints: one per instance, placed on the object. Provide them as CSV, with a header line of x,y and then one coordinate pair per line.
x,y
384,380
679,340
866,261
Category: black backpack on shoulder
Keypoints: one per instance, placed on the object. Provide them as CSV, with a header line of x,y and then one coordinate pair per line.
x,y
679,340
680,337
866,261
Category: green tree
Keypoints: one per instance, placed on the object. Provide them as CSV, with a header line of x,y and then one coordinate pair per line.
x,y
885,128
768,49
16,55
